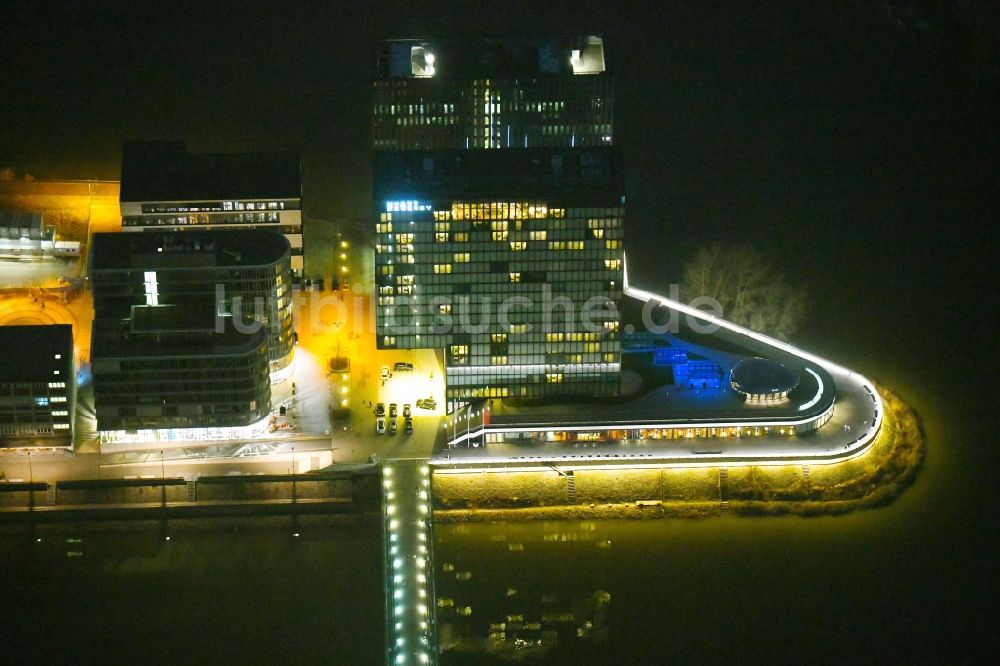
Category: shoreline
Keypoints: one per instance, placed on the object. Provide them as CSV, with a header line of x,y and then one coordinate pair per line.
x,y
873,480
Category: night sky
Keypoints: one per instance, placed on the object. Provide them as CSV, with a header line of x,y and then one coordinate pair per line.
x,y
855,144
855,140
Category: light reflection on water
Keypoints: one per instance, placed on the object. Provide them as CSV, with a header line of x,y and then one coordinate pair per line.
x,y
880,581
222,591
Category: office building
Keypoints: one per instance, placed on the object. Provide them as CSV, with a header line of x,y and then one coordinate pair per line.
x,y
165,187
37,386
243,274
178,373
499,206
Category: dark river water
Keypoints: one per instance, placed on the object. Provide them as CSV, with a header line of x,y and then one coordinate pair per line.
x,y
915,580
219,591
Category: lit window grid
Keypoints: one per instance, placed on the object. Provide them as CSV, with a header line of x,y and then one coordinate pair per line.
x,y
578,274
493,113
34,408
116,291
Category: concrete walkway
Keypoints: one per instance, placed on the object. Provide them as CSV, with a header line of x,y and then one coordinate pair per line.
x,y
409,571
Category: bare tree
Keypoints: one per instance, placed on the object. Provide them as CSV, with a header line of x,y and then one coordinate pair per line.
x,y
751,292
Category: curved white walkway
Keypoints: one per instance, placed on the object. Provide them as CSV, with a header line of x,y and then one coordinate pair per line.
x,y
856,420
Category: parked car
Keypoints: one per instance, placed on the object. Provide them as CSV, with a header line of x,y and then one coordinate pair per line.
x,y
408,425
320,284
380,425
404,367
427,403
380,409
406,411
392,410
392,426
385,372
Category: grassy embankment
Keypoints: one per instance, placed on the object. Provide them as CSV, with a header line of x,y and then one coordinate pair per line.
x,y
873,479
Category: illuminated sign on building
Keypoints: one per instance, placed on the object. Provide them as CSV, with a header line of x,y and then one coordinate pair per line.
x,y
406,206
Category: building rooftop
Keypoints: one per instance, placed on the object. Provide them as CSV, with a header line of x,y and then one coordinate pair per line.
x,y
27,353
763,376
12,220
645,401
171,319
502,58
187,249
170,331
668,403
166,171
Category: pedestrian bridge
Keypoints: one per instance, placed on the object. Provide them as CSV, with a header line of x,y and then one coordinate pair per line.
x,y
409,569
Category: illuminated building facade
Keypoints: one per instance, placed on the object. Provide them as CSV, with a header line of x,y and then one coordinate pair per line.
x,y
492,93
499,214
174,372
244,274
166,187
37,386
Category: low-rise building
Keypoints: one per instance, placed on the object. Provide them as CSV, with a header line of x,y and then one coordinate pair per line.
x,y
37,386
25,236
166,187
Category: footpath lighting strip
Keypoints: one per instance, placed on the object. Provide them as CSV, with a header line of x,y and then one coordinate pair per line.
x,y
409,569
851,450
819,391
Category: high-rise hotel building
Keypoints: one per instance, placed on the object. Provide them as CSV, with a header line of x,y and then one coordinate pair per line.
x,y
499,206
